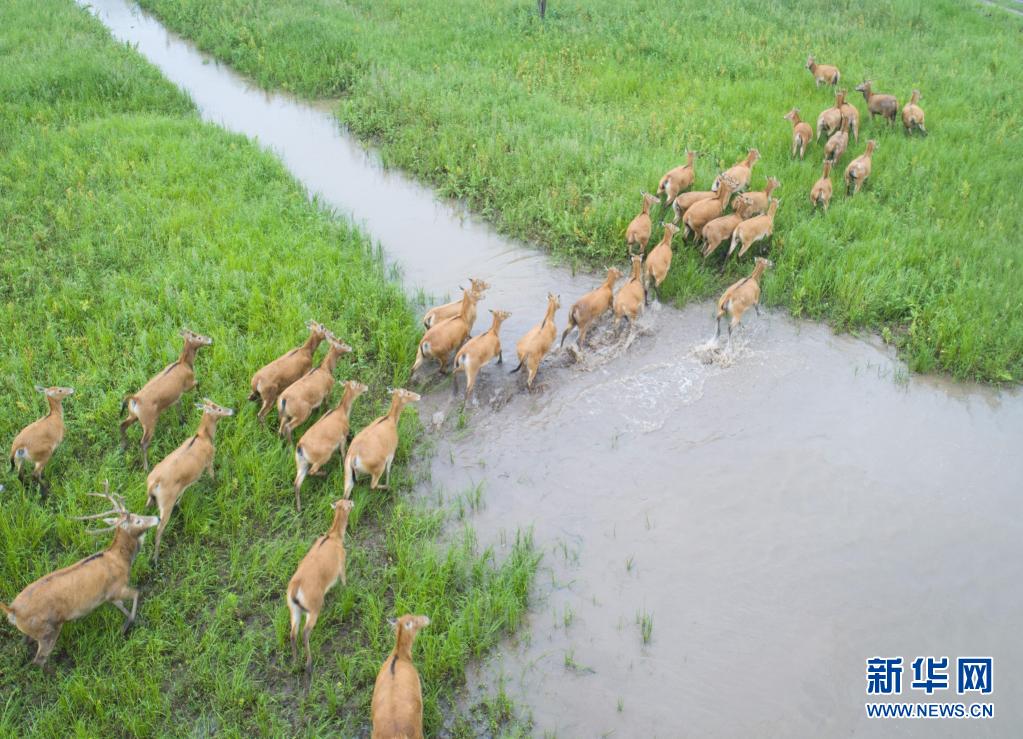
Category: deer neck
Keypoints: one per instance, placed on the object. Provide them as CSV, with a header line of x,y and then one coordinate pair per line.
x,y
467,303
646,207
495,326
188,353
311,344
548,314
403,645
124,546
395,410
56,407
207,427
758,272
330,361
339,525
347,400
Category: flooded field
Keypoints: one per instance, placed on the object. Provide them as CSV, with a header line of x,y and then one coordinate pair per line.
x,y
728,532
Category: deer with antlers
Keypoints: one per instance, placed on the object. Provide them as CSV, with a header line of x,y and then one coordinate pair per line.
x,y
41,609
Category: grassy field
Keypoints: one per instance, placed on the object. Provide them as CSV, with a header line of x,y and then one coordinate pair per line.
x,y
123,218
552,128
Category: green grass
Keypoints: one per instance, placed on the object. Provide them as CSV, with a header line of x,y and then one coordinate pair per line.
x,y
551,129
123,218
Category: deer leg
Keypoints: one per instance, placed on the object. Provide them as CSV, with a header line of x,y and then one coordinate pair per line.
x,y
300,475
296,622
147,437
125,424
44,488
310,622
583,330
46,644
164,518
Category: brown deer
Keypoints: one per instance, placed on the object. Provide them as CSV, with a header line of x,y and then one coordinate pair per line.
x,y
638,232
161,392
372,450
443,339
913,115
738,298
184,466
398,694
755,229
823,73
281,373
802,134
591,306
678,179
629,301
305,395
37,442
859,169
42,608
878,103
450,310
325,437
319,571
533,347
478,351
658,262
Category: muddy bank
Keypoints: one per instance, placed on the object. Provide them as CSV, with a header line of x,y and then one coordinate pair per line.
x,y
778,513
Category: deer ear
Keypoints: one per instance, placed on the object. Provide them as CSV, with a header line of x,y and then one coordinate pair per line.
x,y
40,389
393,622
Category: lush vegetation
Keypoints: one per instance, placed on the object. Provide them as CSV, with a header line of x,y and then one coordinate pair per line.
x,y
123,218
551,128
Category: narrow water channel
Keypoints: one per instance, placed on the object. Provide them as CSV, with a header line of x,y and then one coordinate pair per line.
x,y
778,514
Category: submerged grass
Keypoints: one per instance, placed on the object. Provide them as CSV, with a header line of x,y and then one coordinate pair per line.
x,y
551,128
123,218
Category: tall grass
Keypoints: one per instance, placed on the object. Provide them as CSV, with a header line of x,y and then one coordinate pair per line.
x,y
122,219
551,128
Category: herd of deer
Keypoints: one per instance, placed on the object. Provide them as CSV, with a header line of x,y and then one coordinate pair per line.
x,y
295,388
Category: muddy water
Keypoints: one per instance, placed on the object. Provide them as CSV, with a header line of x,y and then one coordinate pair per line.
x,y
780,511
